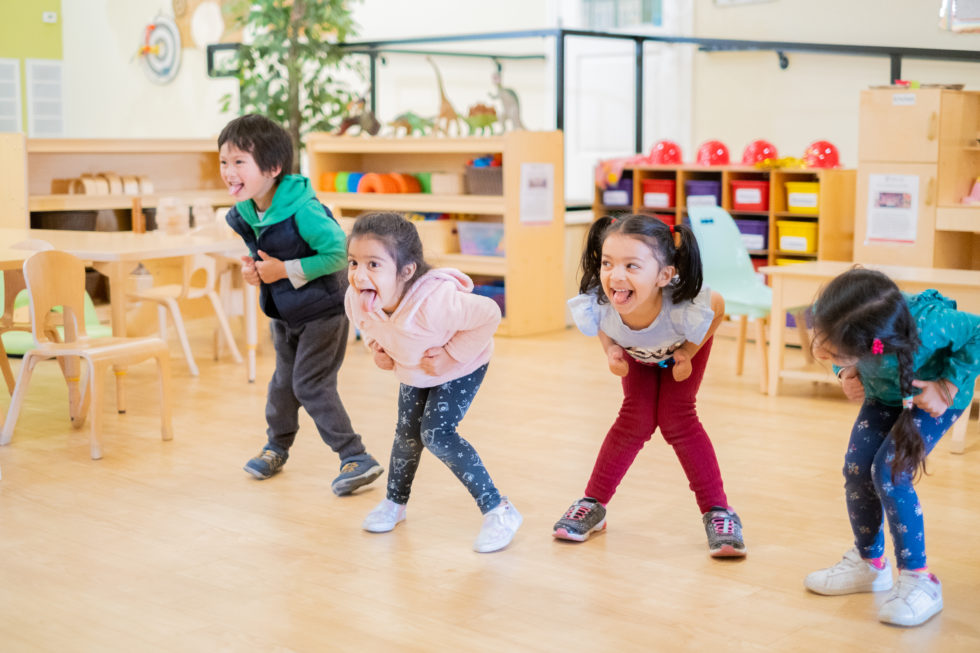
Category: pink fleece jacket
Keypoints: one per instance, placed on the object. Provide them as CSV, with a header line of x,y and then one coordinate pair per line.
x,y
438,310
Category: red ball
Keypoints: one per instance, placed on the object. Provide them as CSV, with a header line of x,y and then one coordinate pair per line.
x,y
758,150
713,153
821,154
665,153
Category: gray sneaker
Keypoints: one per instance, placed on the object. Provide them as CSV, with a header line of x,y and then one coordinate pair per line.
x,y
724,530
266,464
585,517
355,472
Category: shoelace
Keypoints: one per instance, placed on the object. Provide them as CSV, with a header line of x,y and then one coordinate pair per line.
x,y
577,512
270,456
723,525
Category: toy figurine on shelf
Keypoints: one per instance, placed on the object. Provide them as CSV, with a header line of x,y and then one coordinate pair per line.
x,y
358,115
510,114
480,118
411,122
447,114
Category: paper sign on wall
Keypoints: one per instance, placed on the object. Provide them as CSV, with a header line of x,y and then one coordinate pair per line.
x,y
893,209
537,193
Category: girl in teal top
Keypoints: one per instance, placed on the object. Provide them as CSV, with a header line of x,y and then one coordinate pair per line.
x,y
912,360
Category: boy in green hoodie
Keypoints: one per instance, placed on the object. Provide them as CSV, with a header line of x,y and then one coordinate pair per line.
x,y
298,260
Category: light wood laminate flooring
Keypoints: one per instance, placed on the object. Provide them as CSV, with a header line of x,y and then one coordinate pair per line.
x,y
170,546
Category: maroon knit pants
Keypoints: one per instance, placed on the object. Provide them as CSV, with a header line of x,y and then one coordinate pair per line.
x,y
653,398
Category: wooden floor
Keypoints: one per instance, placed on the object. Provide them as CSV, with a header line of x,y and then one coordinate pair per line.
x,y
170,546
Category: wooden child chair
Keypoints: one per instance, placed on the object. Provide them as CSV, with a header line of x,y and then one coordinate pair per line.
x,y
58,279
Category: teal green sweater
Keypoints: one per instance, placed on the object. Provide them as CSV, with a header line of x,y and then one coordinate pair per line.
x,y
950,349
294,198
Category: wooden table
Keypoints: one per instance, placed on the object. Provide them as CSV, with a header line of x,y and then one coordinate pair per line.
x,y
798,285
116,253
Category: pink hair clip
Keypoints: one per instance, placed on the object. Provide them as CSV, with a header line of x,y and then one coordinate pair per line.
x,y
877,348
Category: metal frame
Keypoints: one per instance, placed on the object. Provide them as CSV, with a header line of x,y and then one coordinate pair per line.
x,y
375,49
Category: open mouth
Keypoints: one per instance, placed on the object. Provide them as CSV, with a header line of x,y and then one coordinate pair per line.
x,y
234,189
620,297
368,298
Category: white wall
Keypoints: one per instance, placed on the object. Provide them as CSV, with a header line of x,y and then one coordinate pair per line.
x,y
741,96
107,94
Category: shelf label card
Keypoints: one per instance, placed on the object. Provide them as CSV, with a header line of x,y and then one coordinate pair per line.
x,y
538,193
802,200
748,196
656,200
702,200
903,100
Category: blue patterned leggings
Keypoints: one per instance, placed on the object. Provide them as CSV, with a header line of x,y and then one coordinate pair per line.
x,y
872,492
427,417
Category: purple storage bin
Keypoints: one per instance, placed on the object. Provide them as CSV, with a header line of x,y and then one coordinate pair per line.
x,y
494,292
699,192
755,233
619,194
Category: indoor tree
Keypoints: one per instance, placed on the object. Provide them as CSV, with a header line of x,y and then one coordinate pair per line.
x,y
291,68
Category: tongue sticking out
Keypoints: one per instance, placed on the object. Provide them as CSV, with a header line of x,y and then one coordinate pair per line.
x,y
367,300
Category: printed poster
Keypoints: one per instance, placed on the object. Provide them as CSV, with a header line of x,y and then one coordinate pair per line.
x,y
893,209
537,193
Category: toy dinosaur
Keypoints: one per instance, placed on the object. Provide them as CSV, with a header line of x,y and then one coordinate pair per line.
x,y
510,105
480,118
412,122
358,115
447,114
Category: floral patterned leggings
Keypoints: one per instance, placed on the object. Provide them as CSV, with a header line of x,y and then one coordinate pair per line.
x,y
872,492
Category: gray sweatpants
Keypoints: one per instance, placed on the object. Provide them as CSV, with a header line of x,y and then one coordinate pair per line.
x,y
307,360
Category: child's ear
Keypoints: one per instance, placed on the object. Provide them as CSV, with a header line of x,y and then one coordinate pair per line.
x,y
275,172
407,272
667,273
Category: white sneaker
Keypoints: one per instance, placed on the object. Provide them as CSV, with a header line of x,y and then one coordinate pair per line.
x,y
385,516
850,576
499,527
917,597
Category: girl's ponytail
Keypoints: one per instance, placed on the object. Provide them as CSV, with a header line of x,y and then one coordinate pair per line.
x,y
592,256
910,450
687,262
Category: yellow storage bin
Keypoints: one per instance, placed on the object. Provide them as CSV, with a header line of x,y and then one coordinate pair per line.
x,y
791,261
803,197
793,236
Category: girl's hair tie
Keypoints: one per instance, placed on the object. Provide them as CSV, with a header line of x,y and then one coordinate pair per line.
x,y
877,348
907,402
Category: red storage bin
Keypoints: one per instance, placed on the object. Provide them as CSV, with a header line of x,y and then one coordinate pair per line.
x,y
750,195
659,193
758,263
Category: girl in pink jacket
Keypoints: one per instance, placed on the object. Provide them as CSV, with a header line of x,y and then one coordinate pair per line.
x,y
427,326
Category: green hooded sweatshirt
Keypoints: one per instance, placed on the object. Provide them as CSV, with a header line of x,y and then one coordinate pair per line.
x,y
294,198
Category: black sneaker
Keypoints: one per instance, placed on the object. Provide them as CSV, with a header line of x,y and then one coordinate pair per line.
x,y
724,530
356,472
266,464
585,517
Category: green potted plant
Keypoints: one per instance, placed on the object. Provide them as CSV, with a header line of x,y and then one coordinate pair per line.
x,y
292,69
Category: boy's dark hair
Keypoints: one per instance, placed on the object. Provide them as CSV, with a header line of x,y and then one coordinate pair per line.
x,y
399,237
853,311
268,143
685,256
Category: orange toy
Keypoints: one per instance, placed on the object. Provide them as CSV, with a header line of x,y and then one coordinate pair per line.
x,y
373,182
326,181
407,183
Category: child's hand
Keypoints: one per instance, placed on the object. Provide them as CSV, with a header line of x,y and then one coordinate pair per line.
x,y
270,269
932,399
616,357
383,360
436,361
682,366
249,273
850,383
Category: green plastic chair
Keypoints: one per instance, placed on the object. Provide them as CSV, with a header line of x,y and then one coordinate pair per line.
x,y
728,270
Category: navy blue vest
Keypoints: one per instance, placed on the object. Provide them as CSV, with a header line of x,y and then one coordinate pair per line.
x,y
319,298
